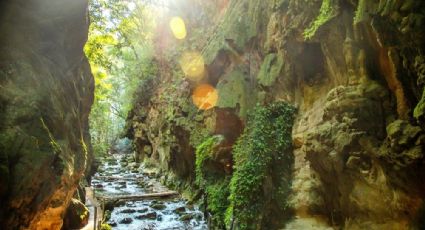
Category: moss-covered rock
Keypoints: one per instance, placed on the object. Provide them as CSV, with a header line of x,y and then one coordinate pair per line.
x,y
242,22
328,10
212,180
270,69
204,154
233,92
404,144
77,215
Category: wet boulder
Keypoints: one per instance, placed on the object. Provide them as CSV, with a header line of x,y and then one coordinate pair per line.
x,y
128,210
143,210
112,223
159,206
126,220
180,210
186,217
149,215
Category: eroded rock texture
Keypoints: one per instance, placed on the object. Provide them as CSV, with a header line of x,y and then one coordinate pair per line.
x,y
362,143
45,98
354,69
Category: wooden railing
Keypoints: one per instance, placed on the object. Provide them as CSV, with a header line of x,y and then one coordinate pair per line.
x,y
96,212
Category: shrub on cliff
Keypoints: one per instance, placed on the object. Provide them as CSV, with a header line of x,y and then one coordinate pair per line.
x,y
263,163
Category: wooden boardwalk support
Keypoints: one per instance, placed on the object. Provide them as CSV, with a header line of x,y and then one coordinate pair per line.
x,y
116,178
143,196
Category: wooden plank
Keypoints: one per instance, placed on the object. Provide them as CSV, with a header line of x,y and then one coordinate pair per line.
x,y
96,213
116,178
142,196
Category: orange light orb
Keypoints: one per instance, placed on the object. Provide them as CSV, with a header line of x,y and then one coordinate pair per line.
x,y
205,96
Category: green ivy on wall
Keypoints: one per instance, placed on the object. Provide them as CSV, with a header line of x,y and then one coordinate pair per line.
x,y
263,165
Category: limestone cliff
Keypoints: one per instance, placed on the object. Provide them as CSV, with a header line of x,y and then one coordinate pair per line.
x,y
354,70
45,98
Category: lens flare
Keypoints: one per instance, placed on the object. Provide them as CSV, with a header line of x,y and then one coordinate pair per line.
x,y
178,27
192,64
205,97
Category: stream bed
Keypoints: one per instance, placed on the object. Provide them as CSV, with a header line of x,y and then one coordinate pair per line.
x,y
119,176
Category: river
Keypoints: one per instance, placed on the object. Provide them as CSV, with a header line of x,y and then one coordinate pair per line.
x,y
119,176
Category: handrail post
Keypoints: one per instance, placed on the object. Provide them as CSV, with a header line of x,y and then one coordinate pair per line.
x,y
95,218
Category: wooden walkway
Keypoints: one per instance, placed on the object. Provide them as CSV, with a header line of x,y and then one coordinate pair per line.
x,y
95,209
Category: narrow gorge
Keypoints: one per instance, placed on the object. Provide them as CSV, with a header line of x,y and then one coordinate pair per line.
x,y
221,114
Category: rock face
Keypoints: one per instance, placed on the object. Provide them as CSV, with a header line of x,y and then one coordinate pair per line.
x,y
45,98
77,215
354,70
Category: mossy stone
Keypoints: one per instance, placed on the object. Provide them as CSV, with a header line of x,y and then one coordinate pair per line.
x,y
233,92
328,10
270,69
241,22
186,217
159,206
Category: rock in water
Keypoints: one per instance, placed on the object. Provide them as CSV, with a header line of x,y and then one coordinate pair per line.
x,y
126,220
150,215
159,206
129,210
186,217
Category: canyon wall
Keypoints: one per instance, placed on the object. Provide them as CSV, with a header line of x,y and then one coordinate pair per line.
x,y
45,98
355,72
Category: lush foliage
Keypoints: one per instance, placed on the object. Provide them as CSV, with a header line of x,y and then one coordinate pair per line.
x,y
327,12
215,185
360,12
419,110
263,163
204,153
217,201
119,50
105,227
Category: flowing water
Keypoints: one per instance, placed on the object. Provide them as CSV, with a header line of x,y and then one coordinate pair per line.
x,y
118,176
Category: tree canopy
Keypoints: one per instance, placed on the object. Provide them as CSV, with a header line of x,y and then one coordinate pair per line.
x,y
119,50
